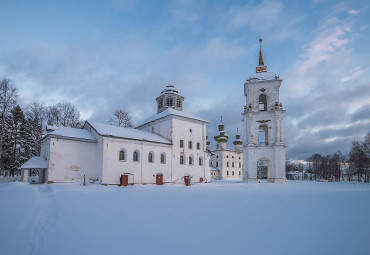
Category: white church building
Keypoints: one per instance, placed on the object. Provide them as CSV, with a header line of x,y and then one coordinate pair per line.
x,y
170,145
225,163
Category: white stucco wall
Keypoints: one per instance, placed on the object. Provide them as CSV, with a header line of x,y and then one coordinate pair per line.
x,y
69,160
141,171
195,131
231,156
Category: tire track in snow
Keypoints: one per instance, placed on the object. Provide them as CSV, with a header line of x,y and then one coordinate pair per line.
x,y
45,220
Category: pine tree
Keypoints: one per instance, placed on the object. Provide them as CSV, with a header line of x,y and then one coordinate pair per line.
x,y
8,97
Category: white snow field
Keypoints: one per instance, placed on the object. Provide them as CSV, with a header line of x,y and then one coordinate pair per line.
x,y
217,218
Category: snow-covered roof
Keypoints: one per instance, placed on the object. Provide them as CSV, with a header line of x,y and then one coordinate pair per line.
x,y
50,128
130,133
170,89
68,132
294,172
213,168
171,111
34,162
263,76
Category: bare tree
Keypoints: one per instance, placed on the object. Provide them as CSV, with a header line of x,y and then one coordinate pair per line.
x,y
359,159
120,118
8,98
63,114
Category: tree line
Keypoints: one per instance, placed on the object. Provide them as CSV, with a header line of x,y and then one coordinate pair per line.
x,y
23,128
353,166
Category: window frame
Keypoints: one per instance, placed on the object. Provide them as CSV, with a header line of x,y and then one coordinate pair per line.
x,y
151,157
137,152
182,159
191,160
124,154
190,145
163,158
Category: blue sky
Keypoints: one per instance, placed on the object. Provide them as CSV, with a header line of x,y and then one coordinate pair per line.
x,y
102,55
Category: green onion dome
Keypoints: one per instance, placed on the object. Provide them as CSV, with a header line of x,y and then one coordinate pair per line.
x,y
222,137
238,141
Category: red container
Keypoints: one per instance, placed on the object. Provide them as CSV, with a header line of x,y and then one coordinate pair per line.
x,y
124,179
159,179
201,179
187,180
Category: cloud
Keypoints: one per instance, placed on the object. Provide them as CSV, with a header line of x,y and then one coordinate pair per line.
x,y
271,18
326,93
353,12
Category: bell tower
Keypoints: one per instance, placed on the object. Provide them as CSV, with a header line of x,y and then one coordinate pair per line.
x,y
169,98
263,127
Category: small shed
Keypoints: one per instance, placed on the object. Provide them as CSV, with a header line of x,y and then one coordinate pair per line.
x,y
33,171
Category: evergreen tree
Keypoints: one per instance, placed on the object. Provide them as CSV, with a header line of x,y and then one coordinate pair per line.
x,y
8,97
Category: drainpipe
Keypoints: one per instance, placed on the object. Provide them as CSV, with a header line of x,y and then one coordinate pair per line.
x,y
141,163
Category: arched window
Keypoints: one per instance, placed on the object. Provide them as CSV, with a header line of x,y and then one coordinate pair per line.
x,y
263,135
240,164
216,163
232,164
122,155
262,102
163,158
227,173
136,156
200,161
191,161
169,101
182,160
227,164
151,157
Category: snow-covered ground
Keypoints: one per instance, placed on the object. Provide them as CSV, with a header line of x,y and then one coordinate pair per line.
x,y
217,218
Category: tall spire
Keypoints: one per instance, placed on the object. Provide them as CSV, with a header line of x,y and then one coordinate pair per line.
x,y
261,64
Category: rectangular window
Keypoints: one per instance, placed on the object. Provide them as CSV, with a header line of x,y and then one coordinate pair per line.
x,y
198,146
190,145
181,143
233,173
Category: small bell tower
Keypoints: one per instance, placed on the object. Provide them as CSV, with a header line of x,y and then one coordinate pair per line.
x,y
169,98
263,126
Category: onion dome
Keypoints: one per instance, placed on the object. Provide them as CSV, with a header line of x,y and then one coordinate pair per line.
x,y
222,137
238,141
